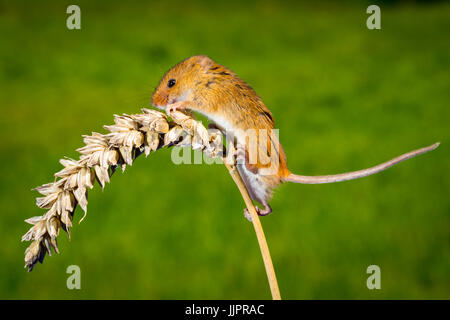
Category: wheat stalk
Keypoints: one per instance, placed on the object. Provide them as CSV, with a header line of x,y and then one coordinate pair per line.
x,y
265,253
128,137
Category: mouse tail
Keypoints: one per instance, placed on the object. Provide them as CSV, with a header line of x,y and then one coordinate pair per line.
x,y
356,174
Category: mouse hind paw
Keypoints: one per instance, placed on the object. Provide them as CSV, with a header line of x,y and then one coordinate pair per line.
x,y
261,212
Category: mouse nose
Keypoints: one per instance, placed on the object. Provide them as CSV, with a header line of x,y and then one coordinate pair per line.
x,y
159,100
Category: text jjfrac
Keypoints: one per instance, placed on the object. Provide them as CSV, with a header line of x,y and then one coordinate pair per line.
x,y
231,311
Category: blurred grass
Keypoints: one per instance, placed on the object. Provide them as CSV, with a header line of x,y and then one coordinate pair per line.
x,y
344,98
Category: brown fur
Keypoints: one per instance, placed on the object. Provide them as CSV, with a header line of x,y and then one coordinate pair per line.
x,y
216,90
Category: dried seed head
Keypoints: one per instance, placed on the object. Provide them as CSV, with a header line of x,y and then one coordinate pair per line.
x,y
127,154
151,142
35,232
53,227
129,136
48,201
152,121
70,167
33,254
48,188
34,220
102,175
80,194
173,135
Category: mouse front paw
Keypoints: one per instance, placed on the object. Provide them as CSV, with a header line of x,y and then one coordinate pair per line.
x,y
177,106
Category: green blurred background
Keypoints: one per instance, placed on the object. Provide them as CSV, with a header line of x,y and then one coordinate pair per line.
x,y
344,98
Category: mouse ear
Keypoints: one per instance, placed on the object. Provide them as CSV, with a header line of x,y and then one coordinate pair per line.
x,y
205,61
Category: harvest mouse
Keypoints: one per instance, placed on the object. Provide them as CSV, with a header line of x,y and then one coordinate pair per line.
x,y
201,85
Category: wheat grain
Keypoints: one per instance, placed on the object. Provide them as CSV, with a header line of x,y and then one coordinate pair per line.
x,y
128,137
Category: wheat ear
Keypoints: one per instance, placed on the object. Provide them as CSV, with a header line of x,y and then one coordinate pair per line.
x,y
128,137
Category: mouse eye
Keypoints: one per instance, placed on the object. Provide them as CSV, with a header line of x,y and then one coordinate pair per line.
x,y
171,83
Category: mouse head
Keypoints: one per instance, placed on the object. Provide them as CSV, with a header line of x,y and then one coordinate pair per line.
x,y
179,83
